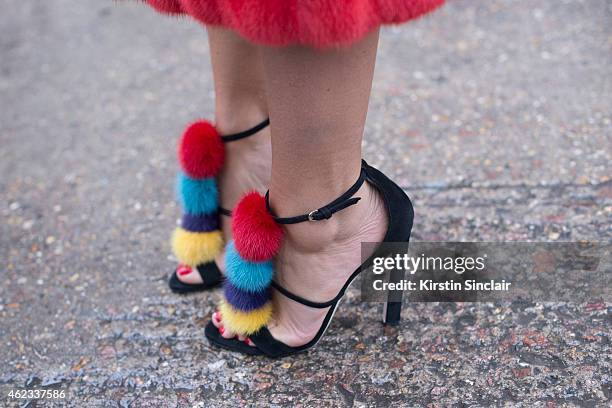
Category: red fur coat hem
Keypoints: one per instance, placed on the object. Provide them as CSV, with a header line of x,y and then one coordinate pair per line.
x,y
317,23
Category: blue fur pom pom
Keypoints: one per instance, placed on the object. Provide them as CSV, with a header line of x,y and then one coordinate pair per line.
x,y
245,275
198,196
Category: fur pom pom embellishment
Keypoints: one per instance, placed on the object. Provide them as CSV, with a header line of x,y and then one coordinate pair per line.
x,y
247,306
200,223
245,323
245,275
256,235
245,301
201,152
194,248
198,196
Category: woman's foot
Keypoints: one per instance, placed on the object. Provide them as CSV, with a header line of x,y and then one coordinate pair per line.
x,y
315,261
246,168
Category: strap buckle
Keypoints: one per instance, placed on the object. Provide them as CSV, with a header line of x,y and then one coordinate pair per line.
x,y
311,215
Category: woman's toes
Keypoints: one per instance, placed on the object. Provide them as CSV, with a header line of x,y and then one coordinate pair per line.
x,y
188,275
183,270
216,319
226,333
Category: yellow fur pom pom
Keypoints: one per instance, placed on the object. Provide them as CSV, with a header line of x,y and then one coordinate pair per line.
x,y
194,248
245,323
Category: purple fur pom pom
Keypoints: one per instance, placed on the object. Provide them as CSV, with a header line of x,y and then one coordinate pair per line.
x,y
243,300
200,223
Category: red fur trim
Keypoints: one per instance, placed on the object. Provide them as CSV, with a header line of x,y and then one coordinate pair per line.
x,y
318,23
166,6
256,235
201,151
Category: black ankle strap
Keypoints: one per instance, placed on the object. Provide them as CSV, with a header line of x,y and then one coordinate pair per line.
x,y
225,211
324,213
246,133
238,136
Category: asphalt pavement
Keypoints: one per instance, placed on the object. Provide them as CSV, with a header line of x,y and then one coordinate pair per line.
x,y
495,117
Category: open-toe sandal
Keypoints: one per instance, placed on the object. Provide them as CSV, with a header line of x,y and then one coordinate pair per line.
x,y
246,307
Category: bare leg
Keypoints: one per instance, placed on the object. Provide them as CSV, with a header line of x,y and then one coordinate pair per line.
x,y
318,103
240,94
240,103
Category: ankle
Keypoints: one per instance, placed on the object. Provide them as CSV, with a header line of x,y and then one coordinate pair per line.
x,y
343,227
300,188
239,115
311,192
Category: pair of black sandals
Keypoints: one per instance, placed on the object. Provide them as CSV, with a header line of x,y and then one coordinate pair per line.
x,y
400,219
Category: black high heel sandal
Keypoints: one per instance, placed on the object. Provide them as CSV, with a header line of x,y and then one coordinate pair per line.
x,y
246,308
199,240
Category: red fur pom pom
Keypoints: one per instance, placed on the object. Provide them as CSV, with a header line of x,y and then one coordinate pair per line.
x,y
256,235
201,151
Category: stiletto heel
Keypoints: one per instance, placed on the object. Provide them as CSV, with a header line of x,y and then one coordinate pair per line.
x,y
199,240
392,308
247,307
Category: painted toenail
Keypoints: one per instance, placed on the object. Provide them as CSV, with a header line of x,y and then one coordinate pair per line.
x,y
221,330
183,270
249,342
216,317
